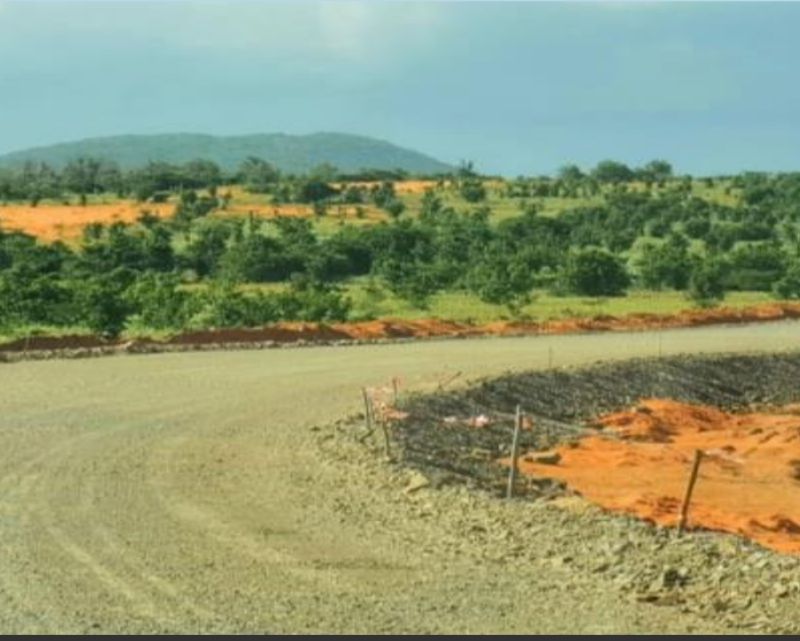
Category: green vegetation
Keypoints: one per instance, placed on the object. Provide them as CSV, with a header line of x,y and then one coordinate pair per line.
x,y
465,247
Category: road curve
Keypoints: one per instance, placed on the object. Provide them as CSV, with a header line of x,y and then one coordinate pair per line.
x,y
188,493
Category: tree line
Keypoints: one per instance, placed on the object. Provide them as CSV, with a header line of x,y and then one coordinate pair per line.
x,y
187,271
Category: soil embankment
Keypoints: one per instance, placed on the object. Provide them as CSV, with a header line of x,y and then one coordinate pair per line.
x,y
302,333
638,462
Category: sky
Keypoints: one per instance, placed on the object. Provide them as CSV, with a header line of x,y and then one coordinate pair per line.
x,y
516,87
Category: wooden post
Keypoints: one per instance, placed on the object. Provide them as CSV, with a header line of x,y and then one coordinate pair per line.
x,y
550,357
395,390
698,457
447,381
367,409
512,473
386,441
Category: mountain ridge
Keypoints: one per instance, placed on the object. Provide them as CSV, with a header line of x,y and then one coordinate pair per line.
x,y
290,153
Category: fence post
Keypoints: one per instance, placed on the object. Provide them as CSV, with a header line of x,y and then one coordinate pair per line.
x,y
698,457
367,409
512,473
386,440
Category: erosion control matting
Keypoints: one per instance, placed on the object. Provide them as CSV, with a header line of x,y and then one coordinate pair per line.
x,y
460,436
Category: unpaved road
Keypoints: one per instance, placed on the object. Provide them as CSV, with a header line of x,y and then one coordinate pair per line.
x,y
189,493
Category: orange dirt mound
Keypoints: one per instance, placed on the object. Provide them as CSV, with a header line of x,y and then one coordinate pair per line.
x,y
66,222
749,480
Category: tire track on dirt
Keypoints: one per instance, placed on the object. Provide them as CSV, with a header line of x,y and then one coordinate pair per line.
x,y
62,515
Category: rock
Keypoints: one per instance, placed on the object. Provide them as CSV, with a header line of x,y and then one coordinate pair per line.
x,y
416,482
673,577
543,458
601,567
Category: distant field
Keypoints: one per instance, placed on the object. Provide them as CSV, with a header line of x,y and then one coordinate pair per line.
x,y
53,220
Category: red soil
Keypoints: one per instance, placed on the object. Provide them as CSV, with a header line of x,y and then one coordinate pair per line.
x,y
431,328
66,222
749,480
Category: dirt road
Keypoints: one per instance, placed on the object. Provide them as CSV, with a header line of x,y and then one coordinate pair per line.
x,y
195,493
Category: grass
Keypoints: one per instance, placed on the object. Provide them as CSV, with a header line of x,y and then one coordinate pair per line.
x,y
462,306
370,302
8,334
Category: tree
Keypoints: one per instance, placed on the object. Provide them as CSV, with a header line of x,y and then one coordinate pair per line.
x,y
313,190
788,286
755,266
102,304
208,243
655,171
611,171
257,258
466,169
571,173
38,181
502,278
191,206
81,176
595,272
430,205
257,175
157,301
324,172
394,208
199,174
383,193
472,190
665,265
706,285
155,180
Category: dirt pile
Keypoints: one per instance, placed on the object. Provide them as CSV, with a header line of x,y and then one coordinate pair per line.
x,y
639,464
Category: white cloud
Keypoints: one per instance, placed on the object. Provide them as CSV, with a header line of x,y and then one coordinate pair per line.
x,y
357,32
359,29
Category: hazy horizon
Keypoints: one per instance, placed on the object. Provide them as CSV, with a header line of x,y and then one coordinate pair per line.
x,y
515,87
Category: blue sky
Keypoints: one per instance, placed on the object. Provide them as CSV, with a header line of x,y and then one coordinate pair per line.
x,y
517,87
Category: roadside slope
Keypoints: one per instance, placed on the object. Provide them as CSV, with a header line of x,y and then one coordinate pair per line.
x,y
188,493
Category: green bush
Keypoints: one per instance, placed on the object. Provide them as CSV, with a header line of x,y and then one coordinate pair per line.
x,y
595,272
707,283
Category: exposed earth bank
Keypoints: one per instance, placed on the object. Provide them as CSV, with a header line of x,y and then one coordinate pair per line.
x,y
300,333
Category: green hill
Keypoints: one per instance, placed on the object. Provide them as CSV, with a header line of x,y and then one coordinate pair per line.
x,y
289,153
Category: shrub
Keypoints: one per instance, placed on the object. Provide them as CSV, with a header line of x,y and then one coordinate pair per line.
x,y
595,272
707,285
